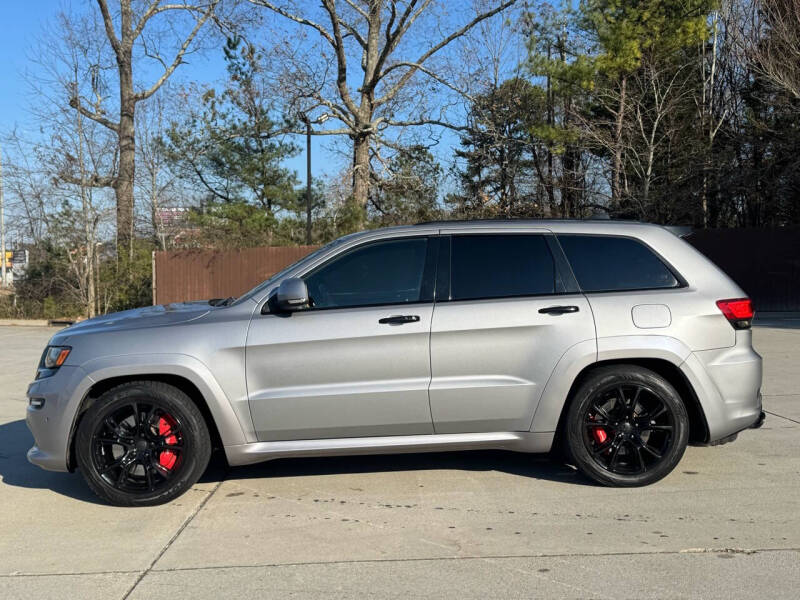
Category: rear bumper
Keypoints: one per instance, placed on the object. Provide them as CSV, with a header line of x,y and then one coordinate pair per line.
x,y
727,382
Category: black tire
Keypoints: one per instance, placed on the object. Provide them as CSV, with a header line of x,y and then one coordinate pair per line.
x,y
626,426
147,460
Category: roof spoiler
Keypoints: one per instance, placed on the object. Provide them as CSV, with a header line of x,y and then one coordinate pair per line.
x,y
681,231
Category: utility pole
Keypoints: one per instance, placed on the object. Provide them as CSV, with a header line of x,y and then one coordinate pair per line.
x,y
308,179
2,227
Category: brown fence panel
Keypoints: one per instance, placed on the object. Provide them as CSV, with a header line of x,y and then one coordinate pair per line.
x,y
183,275
764,262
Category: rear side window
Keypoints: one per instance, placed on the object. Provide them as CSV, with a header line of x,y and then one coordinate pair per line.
x,y
607,263
500,266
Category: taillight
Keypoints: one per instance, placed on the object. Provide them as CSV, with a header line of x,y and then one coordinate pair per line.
x,y
738,311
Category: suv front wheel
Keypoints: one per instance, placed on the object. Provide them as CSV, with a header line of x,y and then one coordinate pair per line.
x,y
626,426
142,443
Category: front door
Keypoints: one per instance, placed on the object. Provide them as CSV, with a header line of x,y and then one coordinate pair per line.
x,y
510,314
357,362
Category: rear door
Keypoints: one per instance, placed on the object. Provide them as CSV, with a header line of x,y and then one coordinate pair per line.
x,y
507,308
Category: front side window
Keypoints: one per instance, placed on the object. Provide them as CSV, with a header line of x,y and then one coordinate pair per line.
x,y
609,263
500,266
385,272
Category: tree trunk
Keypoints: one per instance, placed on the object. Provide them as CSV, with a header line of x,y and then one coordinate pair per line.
x,y
308,183
88,227
127,159
616,187
361,170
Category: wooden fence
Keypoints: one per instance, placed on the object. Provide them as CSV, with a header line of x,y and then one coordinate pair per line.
x,y
183,275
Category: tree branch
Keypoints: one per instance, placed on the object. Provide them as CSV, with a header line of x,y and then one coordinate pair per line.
x,y
303,21
341,58
357,8
94,181
109,25
156,8
425,56
352,31
393,37
427,72
179,56
393,123
75,103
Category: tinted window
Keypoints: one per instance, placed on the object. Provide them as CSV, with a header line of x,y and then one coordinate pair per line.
x,y
500,266
389,272
604,263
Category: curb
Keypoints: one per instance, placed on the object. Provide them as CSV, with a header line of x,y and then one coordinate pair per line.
x,y
31,323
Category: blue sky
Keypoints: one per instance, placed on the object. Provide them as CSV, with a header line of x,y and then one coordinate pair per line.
x,y
24,21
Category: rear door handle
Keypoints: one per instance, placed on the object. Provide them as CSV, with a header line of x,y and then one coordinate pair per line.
x,y
399,319
558,310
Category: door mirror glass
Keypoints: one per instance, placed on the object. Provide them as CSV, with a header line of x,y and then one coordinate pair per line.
x,y
292,294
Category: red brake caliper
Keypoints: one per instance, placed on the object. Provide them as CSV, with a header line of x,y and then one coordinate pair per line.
x,y
167,458
600,435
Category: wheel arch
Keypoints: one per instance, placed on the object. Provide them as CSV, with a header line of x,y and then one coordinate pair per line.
x,y
185,385
698,426
662,354
183,372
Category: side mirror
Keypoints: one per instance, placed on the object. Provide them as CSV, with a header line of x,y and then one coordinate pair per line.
x,y
292,294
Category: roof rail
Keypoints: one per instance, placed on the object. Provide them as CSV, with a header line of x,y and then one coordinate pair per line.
x,y
526,220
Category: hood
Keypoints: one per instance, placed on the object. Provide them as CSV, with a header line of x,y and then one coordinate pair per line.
x,y
149,316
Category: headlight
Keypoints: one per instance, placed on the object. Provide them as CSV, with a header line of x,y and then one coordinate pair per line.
x,y
52,359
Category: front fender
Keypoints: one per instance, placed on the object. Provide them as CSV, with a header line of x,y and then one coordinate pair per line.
x,y
582,355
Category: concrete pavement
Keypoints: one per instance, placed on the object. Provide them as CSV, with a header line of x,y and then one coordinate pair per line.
x,y
725,524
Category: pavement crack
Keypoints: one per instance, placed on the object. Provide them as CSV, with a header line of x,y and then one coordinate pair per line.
x,y
175,536
474,557
782,417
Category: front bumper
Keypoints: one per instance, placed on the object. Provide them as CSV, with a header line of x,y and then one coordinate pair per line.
x,y
51,424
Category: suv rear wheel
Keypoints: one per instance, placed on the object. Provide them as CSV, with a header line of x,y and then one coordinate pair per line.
x,y
142,443
626,426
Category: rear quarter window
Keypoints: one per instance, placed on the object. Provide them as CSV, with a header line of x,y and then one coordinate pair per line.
x,y
611,263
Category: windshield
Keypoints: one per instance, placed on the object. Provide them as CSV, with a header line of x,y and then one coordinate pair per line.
x,y
261,287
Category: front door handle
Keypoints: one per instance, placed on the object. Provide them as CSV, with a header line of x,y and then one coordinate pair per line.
x,y
399,319
558,310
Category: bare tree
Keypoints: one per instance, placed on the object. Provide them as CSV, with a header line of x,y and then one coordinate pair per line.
x,y
775,54
658,90
156,183
127,30
29,203
374,31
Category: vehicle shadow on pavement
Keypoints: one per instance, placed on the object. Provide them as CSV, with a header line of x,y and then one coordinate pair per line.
x,y
15,470
535,466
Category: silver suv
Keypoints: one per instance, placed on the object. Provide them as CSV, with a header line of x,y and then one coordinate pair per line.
x,y
615,341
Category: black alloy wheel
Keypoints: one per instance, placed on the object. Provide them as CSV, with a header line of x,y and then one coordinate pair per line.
x,y
627,426
138,447
142,443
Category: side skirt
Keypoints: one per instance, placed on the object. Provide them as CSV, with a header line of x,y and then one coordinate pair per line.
x,y
518,441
